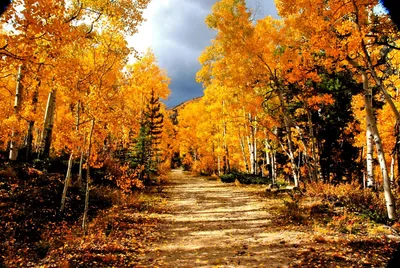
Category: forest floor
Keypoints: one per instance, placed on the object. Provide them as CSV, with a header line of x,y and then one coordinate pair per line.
x,y
210,224
189,221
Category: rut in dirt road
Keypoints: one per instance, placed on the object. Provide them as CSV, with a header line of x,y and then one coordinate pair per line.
x,y
214,224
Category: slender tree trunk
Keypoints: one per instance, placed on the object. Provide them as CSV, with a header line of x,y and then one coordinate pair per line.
x,y
250,145
29,138
390,204
67,182
370,180
85,212
397,154
226,149
392,163
81,161
17,105
273,167
243,152
255,144
48,125
31,124
271,160
306,158
291,154
219,165
267,163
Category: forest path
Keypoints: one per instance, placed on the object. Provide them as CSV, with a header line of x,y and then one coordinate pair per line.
x,y
212,224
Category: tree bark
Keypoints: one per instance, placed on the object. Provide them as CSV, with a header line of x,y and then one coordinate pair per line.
x,y
270,157
392,163
243,152
81,161
370,180
251,155
48,125
17,106
67,182
255,144
390,204
31,124
85,212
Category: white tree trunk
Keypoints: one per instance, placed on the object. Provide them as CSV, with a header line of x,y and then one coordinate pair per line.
x,y
270,160
219,165
48,124
17,104
255,144
243,152
291,154
67,182
392,170
390,204
251,154
81,161
370,180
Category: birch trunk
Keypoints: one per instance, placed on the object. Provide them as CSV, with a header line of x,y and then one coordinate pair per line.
x,y
85,212
31,124
219,165
67,182
250,145
268,160
48,125
291,154
243,152
370,180
390,205
81,161
17,105
273,166
306,157
272,160
226,149
255,144
392,171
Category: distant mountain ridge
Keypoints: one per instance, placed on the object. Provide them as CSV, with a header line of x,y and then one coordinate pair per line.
x,y
183,104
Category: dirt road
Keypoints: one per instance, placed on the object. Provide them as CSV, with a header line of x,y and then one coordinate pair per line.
x,y
211,224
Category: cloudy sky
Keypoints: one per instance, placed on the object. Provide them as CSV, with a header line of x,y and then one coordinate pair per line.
x,y
176,32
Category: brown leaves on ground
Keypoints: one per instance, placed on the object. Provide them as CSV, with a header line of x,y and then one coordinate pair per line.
x,y
347,252
117,238
33,233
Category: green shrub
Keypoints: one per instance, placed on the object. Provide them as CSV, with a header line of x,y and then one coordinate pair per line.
x,y
244,178
253,179
228,178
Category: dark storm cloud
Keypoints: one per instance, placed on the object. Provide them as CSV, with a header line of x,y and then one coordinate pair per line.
x,y
179,34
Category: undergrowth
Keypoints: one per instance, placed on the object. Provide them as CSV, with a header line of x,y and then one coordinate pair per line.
x,y
32,228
